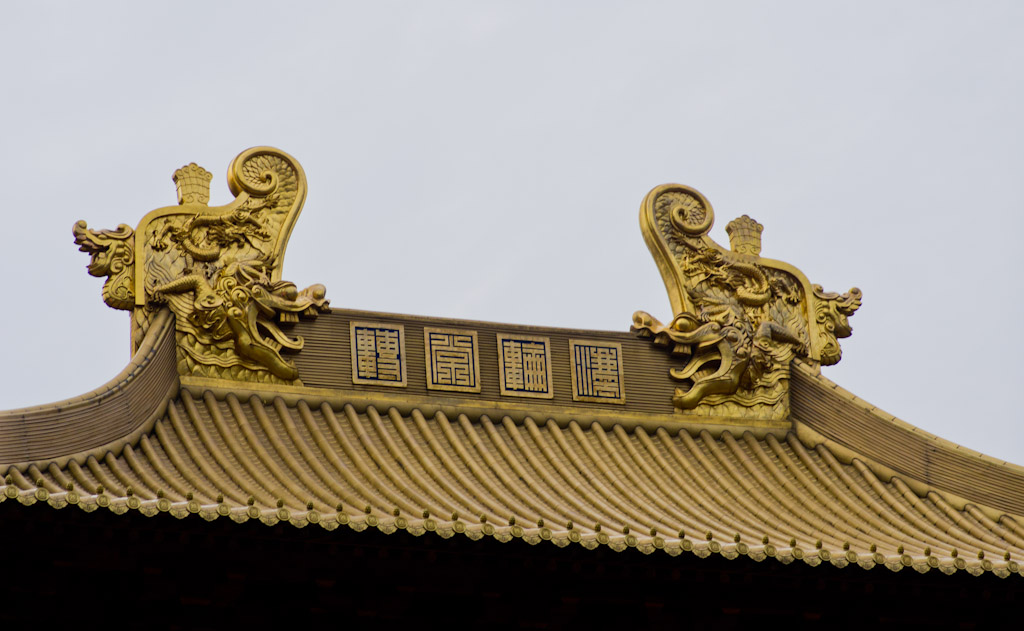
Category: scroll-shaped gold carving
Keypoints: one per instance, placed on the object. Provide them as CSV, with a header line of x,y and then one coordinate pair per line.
x,y
739,319
217,268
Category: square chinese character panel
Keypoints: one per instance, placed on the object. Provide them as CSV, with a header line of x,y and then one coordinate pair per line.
x,y
525,366
596,371
378,354
453,362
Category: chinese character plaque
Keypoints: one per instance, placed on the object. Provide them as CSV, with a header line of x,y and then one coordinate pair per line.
x,y
525,366
453,362
596,371
378,354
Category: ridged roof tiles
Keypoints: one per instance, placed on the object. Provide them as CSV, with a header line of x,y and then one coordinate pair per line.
x,y
311,461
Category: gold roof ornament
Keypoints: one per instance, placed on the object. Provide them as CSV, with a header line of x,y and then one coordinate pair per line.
x,y
739,319
447,408
193,182
217,268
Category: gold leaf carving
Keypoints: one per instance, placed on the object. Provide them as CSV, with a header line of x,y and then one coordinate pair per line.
x,y
217,268
112,255
739,319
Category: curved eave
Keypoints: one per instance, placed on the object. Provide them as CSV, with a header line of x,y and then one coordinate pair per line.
x,y
855,428
309,463
115,411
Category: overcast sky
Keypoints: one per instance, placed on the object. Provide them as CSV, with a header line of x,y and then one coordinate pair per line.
x,y
487,161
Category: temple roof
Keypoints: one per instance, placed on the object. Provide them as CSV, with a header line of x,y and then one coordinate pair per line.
x,y
715,433
844,483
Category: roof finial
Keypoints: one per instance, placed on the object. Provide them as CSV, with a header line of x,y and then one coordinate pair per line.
x,y
193,183
745,236
215,267
738,319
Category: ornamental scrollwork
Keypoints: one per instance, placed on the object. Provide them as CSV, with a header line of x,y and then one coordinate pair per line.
x,y
217,268
739,319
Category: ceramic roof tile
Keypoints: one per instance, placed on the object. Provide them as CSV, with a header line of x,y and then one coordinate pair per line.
x,y
540,480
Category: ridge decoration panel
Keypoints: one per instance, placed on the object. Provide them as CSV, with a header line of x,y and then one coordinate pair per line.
x,y
524,364
378,354
596,371
453,360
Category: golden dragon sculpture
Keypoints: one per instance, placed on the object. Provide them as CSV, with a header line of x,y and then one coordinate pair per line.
x,y
216,267
739,319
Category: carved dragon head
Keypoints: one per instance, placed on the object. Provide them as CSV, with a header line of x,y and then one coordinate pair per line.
x,y
217,267
112,254
738,318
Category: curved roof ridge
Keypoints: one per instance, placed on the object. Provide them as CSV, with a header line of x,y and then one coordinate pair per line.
x,y
850,424
90,422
